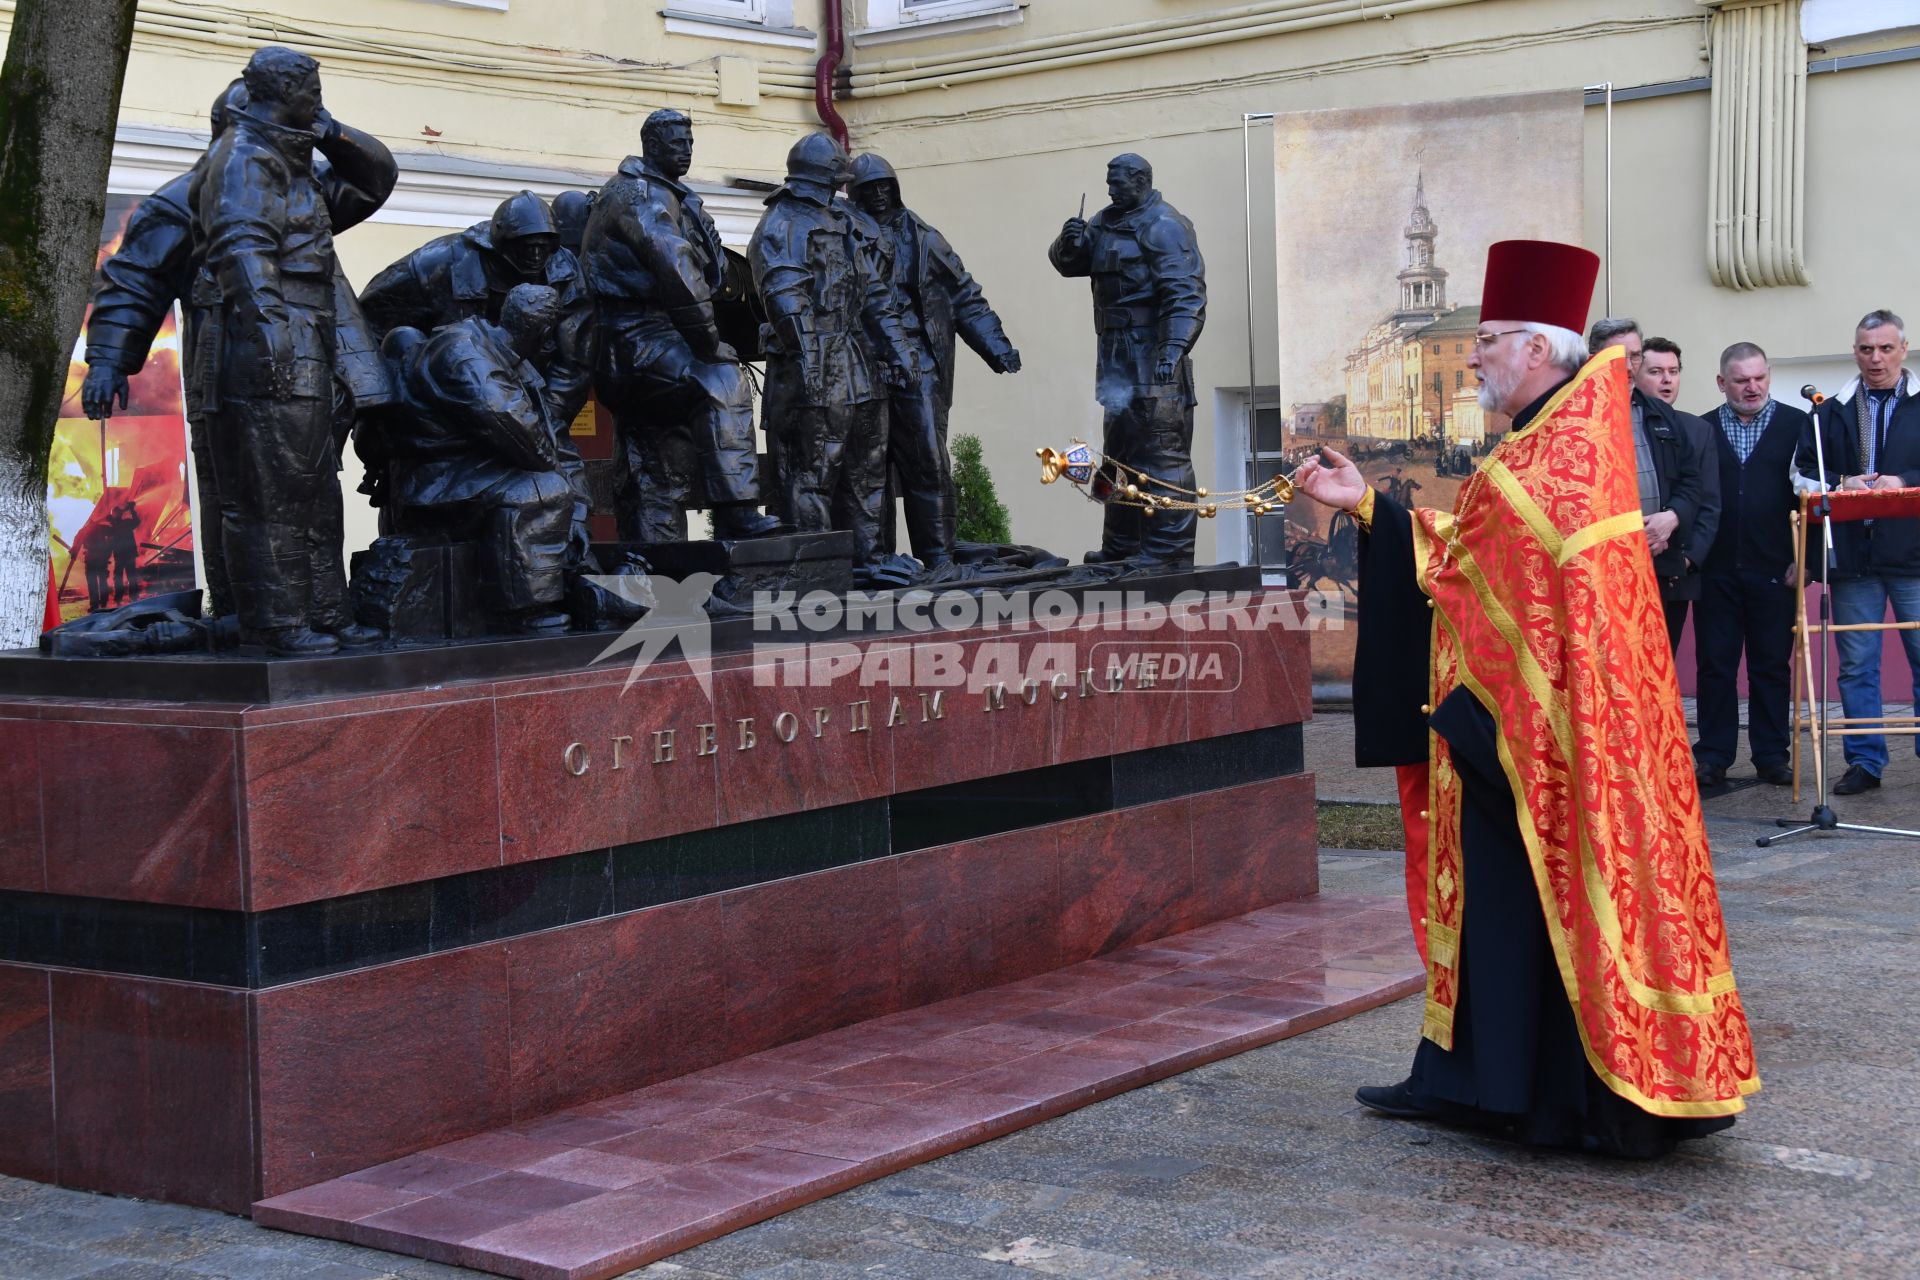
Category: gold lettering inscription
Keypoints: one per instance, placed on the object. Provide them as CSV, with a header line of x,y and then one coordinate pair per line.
x,y
619,741
576,759
996,697
1059,684
860,716
1086,682
896,714
820,718
786,726
1029,691
662,746
933,706
705,744
748,738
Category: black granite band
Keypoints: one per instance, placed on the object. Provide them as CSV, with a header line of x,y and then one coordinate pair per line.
x,y
270,948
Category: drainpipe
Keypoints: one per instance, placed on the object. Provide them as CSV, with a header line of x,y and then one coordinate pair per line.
x,y
825,70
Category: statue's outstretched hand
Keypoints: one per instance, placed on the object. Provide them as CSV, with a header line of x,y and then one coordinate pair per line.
x,y
103,388
1331,480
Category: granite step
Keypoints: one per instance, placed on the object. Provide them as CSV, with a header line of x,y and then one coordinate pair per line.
x,y
596,1190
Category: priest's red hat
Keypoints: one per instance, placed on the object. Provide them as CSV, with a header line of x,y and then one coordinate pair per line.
x,y
1539,282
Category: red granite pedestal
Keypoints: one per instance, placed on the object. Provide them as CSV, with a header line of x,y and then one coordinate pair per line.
x,y
249,949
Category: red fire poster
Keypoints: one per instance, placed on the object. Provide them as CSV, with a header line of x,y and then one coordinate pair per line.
x,y
118,497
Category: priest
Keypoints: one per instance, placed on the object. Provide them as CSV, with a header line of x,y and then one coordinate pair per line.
x,y
1579,991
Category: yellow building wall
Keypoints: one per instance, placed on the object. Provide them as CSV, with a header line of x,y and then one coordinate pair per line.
x,y
998,158
997,164
563,83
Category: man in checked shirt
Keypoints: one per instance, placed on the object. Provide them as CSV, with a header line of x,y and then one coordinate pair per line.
x,y
1746,597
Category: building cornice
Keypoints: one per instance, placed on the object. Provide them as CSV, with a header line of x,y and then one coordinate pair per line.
x,y
437,191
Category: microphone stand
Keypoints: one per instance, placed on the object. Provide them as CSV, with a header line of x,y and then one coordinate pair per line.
x,y
1823,818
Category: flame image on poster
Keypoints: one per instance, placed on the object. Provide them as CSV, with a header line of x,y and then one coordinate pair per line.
x,y
118,497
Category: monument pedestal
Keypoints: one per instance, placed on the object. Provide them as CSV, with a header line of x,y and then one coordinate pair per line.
x,y
248,948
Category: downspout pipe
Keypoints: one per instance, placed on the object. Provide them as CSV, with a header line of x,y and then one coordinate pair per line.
x,y
827,68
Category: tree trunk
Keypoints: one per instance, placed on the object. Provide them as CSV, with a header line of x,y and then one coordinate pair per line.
x,y
59,97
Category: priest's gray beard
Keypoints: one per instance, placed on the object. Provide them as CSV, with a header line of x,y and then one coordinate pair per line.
x,y
1496,386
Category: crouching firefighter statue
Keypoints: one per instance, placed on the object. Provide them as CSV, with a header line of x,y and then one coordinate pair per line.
x,y
475,455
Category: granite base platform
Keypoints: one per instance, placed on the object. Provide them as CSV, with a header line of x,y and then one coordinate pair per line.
x,y
593,1191
246,949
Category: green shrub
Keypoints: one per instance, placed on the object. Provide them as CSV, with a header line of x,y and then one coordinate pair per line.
x,y
979,514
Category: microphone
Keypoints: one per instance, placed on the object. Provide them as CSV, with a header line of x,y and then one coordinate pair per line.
x,y
1812,395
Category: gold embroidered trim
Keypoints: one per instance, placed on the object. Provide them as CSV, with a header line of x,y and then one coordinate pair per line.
x,y
1524,506
1627,522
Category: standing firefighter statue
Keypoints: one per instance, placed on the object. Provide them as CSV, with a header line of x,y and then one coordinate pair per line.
x,y
270,360
937,300
1149,303
826,408
155,266
682,413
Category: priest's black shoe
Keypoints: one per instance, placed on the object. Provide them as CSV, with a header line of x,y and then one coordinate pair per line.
x,y
1392,1100
1854,781
1778,775
1710,775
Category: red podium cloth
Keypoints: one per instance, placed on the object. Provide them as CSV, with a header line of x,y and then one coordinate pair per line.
x,y
1866,504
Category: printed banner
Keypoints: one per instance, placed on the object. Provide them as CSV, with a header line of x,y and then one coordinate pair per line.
x,y
118,497
1383,218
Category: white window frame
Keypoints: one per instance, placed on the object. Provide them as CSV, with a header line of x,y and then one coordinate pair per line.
x,y
889,20
1825,22
495,6
740,10
747,21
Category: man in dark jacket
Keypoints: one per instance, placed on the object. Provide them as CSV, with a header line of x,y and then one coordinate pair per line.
x,y
476,453
937,300
125,523
1679,480
682,413
1149,304
826,301
1747,584
1659,380
264,230
1870,433
96,548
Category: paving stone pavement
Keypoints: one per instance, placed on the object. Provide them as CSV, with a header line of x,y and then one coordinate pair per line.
x,y
1263,1165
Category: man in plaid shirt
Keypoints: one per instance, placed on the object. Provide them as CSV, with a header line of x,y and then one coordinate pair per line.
x,y
1746,599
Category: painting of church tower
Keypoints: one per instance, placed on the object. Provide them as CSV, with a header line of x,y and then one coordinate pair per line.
x,y
1407,381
